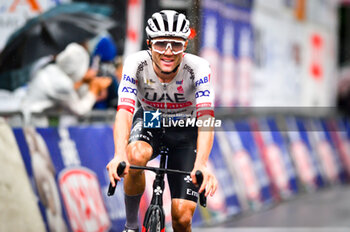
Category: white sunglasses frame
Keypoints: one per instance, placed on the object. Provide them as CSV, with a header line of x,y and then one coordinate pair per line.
x,y
168,45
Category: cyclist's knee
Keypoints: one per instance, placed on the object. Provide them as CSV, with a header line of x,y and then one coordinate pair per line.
x,y
182,222
182,213
139,153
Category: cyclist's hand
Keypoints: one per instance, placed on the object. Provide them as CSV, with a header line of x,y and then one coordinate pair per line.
x,y
112,169
209,183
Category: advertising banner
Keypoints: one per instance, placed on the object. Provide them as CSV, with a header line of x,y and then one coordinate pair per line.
x,y
281,142
319,67
336,131
278,66
275,156
228,94
303,131
331,167
323,13
211,28
251,175
68,169
227,202
227,43
237,49
302,155
295,53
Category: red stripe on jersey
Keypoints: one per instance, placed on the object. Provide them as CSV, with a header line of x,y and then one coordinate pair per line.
x,y
161,105
205,112
127,108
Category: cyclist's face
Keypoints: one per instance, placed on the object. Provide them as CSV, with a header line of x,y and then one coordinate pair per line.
x,y
167,52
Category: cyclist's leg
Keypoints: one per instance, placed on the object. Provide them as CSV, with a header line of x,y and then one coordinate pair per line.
x,y
139,152
183,192
182,212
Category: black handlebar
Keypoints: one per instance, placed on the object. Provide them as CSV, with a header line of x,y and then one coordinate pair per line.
x,y
122,166
120,170
202,197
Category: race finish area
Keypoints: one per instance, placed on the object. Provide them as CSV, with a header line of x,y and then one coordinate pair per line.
x,y
323,211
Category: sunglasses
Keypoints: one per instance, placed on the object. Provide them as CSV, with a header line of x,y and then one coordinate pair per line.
x,y
162,45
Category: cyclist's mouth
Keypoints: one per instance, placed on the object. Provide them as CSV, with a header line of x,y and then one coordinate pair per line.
x,y
167,62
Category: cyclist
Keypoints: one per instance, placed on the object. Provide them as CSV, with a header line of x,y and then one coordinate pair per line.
x,y
166,79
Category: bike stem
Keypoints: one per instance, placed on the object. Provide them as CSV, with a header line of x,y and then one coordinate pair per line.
x,y
158,183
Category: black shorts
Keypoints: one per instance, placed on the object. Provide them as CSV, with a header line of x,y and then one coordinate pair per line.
x,y
182,144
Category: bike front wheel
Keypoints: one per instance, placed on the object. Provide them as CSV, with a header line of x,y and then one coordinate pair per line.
x,y
154,221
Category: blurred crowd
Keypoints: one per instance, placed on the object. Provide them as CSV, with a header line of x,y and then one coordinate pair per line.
x,y
83,77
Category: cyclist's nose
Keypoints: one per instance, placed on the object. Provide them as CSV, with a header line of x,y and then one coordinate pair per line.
x,y
168,51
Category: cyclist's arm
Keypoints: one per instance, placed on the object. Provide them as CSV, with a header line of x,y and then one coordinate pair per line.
x,y
121,133
127,93
204,111
204,144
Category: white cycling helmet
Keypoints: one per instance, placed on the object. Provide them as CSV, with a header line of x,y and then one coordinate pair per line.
x,y
168,23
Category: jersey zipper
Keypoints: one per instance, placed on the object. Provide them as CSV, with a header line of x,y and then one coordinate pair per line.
x,y
165,102
165,95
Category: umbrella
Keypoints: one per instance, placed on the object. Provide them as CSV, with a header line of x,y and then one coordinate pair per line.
x,y
67,8
47,34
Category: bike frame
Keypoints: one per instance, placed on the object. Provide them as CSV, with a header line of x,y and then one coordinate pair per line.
x,y
158,188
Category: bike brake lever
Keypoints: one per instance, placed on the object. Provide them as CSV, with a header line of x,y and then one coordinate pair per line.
x,y
202,197
120,170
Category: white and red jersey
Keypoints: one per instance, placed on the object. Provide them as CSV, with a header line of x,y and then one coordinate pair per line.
x,y
189,93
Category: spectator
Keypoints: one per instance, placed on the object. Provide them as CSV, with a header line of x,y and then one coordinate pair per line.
x,y
104,53
59,84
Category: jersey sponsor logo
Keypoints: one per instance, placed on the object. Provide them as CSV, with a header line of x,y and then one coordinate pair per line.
x,y
150,82
202,81
129,90
204,104
168,105
205,93
140,68
128,100
188,179
190,192
129,79
180,82
190,70
178,97
180,89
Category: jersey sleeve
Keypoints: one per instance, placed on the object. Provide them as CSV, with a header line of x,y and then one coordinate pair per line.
x,y
204,92
127,90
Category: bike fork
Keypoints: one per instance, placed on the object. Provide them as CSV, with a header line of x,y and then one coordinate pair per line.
x,y
155,209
